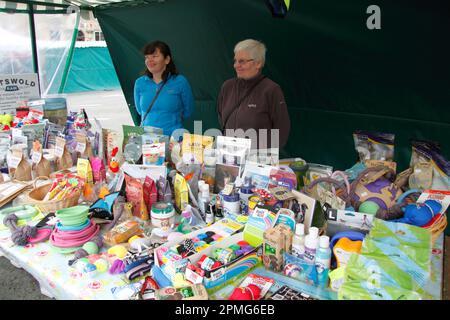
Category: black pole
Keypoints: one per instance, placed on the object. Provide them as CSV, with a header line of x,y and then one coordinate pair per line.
x,y
33,44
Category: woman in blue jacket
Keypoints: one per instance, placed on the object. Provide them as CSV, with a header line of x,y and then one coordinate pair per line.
x,y
162,97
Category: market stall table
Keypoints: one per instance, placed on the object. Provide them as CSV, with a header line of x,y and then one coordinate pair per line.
x,y
60,281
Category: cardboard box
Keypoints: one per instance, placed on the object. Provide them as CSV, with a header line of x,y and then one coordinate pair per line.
x,y
277,240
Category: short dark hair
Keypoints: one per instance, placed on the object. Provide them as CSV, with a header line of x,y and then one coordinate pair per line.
x,y
150,48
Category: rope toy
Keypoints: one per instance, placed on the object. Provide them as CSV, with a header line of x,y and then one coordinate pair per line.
x,y
19,235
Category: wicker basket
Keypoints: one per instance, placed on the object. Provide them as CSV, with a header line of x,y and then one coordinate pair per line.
x,y
438,227
37,194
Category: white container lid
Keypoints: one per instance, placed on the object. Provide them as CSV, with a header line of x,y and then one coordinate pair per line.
x,y
311,242
324,242
300,229
314,232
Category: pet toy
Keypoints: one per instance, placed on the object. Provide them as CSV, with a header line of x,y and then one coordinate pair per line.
x,y
420,214
113,163
251,292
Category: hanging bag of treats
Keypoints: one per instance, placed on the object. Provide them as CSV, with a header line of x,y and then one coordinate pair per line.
x,y
19,167
40,165
63,156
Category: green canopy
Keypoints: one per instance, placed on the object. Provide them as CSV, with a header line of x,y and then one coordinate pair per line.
x,y
337,75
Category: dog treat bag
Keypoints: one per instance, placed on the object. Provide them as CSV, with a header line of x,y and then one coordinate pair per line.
x,y
63,156
19,168
374,145
429,152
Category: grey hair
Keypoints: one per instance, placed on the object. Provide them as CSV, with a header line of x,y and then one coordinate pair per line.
x,y
256,49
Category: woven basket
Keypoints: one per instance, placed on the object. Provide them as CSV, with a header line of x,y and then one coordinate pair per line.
x,y
37,194
438,227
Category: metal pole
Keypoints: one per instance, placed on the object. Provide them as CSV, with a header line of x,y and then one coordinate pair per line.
x,y
33,44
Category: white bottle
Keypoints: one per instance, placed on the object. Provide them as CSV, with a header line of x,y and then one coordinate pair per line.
x,y
323,258
204,198
298,243
311,244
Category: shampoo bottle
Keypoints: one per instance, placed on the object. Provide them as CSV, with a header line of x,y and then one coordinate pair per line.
x,y
323,258
298,243
311,244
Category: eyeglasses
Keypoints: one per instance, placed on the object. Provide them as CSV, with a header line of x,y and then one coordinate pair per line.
x,y
242,61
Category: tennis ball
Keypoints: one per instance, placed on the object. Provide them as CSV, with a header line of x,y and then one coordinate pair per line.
x,y
101,265
369,207
118,250
90,247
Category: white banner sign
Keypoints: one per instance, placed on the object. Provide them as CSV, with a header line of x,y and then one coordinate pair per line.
x,y
17,88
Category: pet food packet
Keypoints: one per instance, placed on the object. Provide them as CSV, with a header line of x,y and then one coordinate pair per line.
x,y
51,132
150,192
365,290
233,151
416,260
163,190
63,156
181,192
153,154
191,174
316,171
98,169
430,152
374,145
84,170
389,272
135,194
33,132
151,138
5,141
131,131
193,146
19,168
396,234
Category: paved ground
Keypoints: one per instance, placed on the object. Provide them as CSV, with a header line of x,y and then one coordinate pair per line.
x,y
110,108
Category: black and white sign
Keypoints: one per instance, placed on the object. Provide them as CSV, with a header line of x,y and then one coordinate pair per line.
x,y
17,88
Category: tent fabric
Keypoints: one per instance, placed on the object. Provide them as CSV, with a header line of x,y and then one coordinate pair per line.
x,y
337,75
58,4
91,70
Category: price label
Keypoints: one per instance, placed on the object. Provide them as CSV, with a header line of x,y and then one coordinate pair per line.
x,y
228,189
14,162
81,146
59,151
36,157
59,147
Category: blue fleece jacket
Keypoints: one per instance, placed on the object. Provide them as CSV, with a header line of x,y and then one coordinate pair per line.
x,y
174,103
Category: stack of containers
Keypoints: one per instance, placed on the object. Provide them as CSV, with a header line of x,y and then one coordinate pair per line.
x,y
73,229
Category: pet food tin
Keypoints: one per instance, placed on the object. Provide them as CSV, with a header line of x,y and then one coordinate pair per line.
x,y
231,204
162,215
